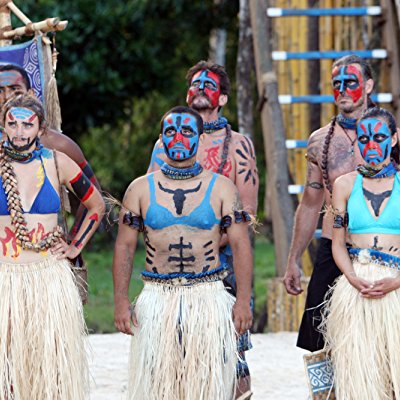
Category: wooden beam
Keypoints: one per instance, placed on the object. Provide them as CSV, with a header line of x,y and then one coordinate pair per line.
x,y
48,25
282,212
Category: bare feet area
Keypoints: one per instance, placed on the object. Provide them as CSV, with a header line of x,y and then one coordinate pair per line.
x,y
276,365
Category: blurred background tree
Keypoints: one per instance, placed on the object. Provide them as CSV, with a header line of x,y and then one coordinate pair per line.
x,y
122,65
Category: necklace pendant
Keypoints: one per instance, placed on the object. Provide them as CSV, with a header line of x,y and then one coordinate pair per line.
x,y
351,151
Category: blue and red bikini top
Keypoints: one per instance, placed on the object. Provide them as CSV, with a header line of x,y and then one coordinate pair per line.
x,y
159,217
47,201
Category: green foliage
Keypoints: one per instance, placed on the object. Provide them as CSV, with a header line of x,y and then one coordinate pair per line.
x,y
113,51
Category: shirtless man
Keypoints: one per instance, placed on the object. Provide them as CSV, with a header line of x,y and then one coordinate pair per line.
x,y
332,151
225,152
184,341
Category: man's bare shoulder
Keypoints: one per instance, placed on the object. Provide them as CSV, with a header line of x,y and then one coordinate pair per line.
x,y
315,144
55,140
319,135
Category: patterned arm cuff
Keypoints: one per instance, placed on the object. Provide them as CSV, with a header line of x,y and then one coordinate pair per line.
x,y
133,221
239,216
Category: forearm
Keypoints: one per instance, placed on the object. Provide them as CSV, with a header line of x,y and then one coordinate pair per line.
x,y
341,257
306,220
243,268
89,225
122,270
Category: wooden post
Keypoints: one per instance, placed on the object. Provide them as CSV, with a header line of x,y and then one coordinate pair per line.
x,y
274,136
244,68
390,33
5,22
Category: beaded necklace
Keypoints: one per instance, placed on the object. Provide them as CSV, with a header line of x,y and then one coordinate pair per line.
x,y
23,157
370,172
181,173
210,127
16,211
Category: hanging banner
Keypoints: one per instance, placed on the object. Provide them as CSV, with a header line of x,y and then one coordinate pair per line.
x,y
29,56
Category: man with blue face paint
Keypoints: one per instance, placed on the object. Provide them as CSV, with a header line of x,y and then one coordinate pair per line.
x,y
225,152
184,323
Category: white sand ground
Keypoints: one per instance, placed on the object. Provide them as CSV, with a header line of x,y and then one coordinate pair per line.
x,y
275,362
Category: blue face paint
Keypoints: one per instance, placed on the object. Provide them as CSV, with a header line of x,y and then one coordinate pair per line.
x,y
22,113
180,136
374,140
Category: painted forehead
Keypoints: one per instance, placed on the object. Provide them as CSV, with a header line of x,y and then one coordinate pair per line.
x,y
179,120
206,75
372,126
344,72
9,78
21,113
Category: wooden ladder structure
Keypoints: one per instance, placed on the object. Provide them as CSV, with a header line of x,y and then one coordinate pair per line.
x,y
344,27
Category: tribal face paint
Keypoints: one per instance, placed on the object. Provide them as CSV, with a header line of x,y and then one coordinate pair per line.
x,y
347,81
180,136
22,128
207,84
374,140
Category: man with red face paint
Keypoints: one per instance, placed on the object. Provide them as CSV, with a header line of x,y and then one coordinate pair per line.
x,y
332,151
228,153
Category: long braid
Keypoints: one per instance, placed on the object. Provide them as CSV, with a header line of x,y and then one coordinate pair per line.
x,y
225,149
325,153
14,206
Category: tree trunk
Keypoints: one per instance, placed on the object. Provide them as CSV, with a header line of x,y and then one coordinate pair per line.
x,y
244,68
217,43
282,211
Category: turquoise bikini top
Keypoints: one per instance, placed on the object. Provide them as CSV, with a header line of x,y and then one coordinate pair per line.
x,y
159,217
360,218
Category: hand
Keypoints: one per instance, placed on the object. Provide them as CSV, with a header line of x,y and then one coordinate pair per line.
x,y
242,316
291,280
381,288
63,250
124,314
358,283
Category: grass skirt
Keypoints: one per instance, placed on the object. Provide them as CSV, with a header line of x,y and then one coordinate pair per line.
x,y
363,337
185,345
42,329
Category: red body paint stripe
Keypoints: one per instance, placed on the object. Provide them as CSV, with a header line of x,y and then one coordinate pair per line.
x,y
76,178
88,193
83,164
364,128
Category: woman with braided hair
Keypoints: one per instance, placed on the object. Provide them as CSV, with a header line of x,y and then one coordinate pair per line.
x,y
42,354
362,317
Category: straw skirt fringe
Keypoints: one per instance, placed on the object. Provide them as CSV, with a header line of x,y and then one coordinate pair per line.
x,y
42,329
363,337
185,345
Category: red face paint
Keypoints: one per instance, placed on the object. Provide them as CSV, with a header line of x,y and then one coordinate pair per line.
x,y
178,137
205,83
347,80
371,145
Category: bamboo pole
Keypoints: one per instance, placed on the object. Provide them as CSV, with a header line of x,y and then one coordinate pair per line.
x,y
48,25
18,13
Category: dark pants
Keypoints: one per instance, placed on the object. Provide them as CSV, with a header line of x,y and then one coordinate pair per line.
x,y
322,278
